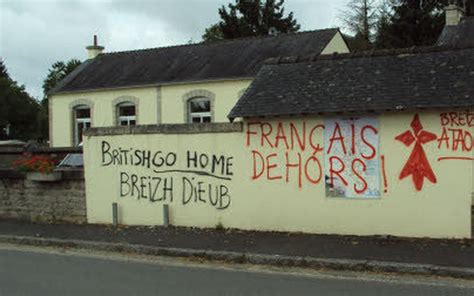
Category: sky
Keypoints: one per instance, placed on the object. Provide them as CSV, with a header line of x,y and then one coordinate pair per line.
x,y
36,33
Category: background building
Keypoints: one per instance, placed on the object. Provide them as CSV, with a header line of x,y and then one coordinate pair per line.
x,y
177,84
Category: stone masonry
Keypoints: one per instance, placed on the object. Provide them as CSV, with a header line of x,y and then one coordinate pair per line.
x,y
61,201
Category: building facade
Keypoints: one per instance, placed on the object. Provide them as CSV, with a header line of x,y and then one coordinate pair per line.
x,y
378,143
179,84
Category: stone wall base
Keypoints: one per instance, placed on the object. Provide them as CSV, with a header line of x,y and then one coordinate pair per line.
x,y
52,202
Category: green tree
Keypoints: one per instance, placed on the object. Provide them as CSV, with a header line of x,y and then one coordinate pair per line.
x,y
411,23
57,72
360,18
247,18
213,33
19,111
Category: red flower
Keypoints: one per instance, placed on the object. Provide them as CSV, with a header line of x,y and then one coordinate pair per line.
x,y
35,163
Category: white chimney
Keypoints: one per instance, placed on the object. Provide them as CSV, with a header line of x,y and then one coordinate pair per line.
x,y
454,14
94,50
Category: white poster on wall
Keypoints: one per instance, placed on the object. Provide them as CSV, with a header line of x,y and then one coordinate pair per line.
x,y
352,159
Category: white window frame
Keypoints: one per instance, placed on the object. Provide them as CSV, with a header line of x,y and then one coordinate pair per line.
x,y
128,118
200,115
86,122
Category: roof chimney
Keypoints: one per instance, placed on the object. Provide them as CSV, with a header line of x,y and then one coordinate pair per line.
x,y
94,50
454,14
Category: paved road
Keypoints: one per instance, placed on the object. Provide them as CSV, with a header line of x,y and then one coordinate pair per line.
x,y
394,249
33,271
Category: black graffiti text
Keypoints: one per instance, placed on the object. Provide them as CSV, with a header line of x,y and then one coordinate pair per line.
x,y
217,195
163,189
146,187
214,164
136,157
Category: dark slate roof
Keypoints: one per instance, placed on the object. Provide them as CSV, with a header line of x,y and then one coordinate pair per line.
x,y
377,81
461,35
230,59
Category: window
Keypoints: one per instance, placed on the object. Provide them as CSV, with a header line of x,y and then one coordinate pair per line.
x,y
82,121
199,110
126,114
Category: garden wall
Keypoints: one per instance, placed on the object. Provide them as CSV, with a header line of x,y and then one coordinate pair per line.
x,y
59,201
404,174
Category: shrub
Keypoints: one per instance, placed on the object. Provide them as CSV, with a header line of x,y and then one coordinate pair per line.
x,y
35,163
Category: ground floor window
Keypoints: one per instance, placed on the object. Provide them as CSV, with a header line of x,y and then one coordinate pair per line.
x,y
199,110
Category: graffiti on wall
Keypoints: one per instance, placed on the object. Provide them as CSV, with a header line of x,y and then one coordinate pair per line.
x,y
189,178
417,164
343,153
294,153
455,136
352,160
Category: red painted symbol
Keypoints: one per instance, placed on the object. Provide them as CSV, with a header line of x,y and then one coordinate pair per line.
x,y
417,164
384,174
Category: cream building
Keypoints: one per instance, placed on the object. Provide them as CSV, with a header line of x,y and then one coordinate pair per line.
x,y
178,84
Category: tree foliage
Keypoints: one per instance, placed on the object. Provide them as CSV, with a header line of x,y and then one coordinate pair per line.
x,y
247,18
18,112
360,17
213,33
57,72
396,23
411,23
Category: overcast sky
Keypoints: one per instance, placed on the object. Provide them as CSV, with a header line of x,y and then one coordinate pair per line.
x,y
36,33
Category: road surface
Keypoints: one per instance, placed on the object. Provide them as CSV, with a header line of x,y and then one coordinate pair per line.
x,y
35,271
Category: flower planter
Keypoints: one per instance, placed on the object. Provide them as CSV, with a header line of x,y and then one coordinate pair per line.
x,y
40,177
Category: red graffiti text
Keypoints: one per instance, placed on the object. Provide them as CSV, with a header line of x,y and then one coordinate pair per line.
x,y
287,143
